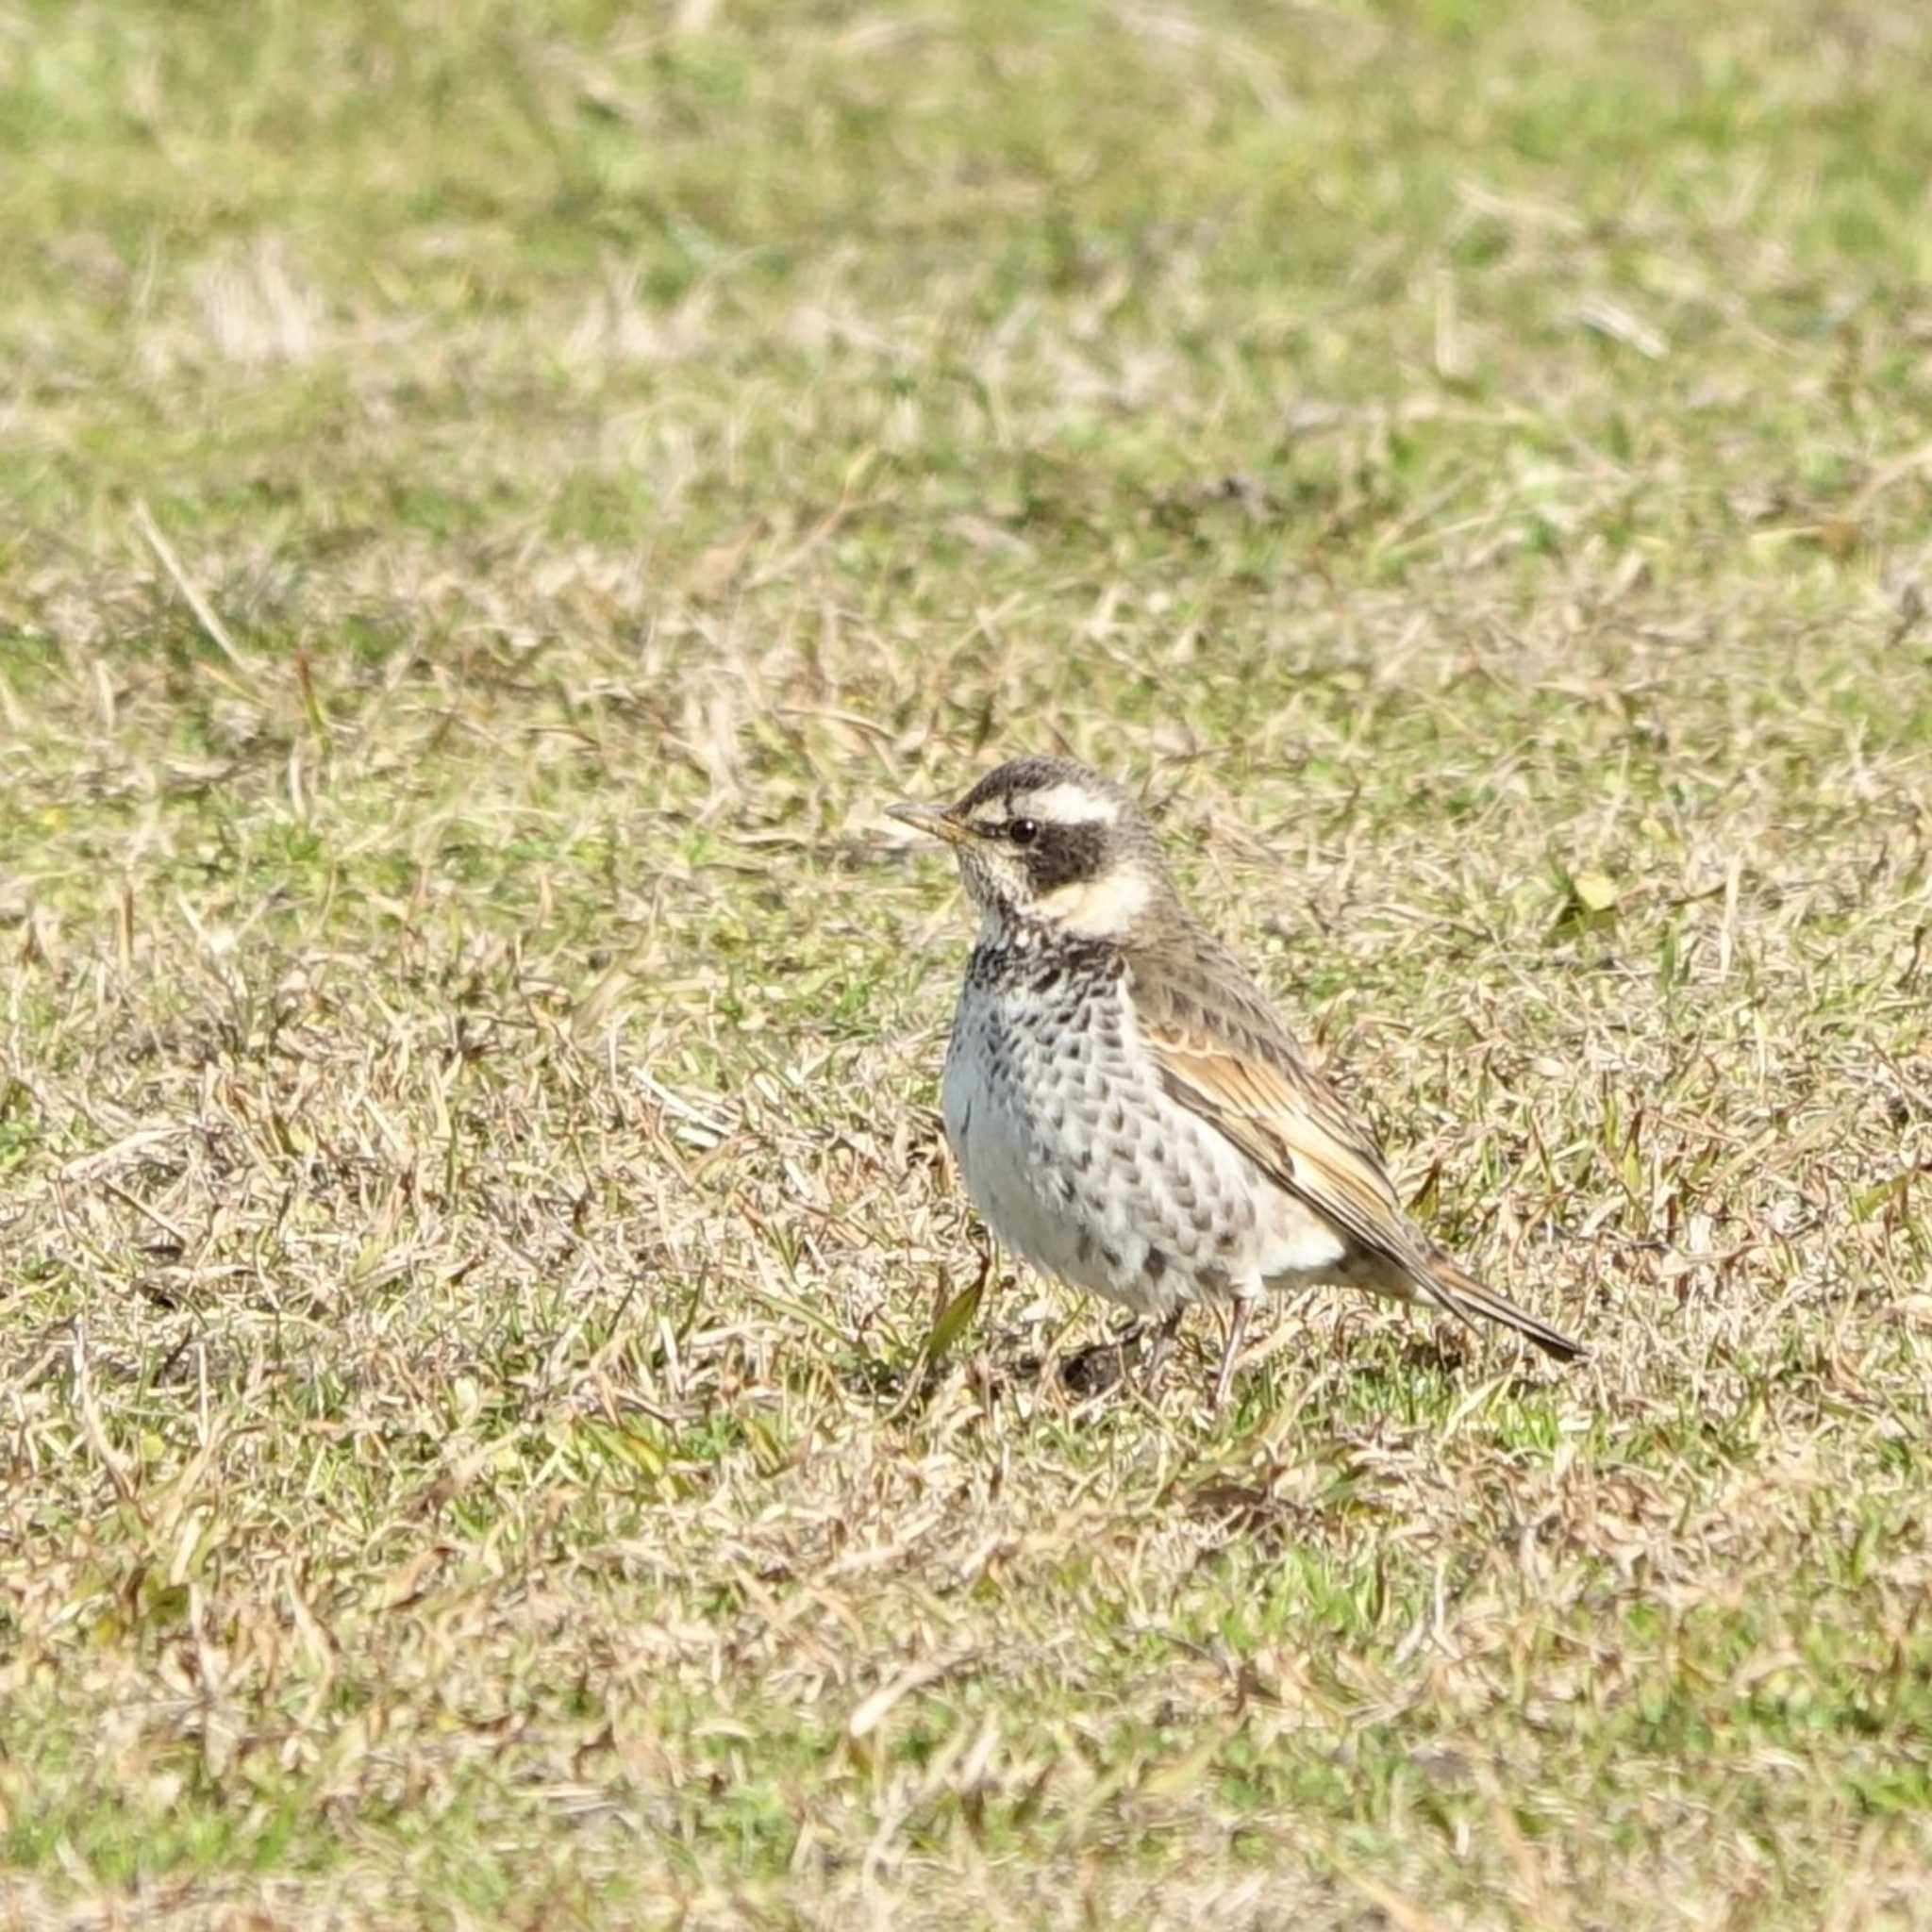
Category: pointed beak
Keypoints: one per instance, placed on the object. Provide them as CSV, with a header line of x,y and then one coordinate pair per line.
x,y
935,819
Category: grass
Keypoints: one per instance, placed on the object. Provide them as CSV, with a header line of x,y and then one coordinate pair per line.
x,y
497,499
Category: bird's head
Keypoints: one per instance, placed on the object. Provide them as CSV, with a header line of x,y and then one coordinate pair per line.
x,y
1046,846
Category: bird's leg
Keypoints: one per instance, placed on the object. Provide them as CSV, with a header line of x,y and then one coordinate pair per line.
x,y
1163,1347
1237,1327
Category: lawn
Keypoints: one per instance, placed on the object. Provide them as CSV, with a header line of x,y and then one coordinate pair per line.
x,y
495,501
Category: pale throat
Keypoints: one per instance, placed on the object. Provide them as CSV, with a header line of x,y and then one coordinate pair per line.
x,y
1098,909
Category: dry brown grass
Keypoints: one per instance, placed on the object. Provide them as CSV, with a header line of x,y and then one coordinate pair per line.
x,y
444,1372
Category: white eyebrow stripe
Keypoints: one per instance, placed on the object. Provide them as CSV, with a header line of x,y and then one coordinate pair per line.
x,y
1067,804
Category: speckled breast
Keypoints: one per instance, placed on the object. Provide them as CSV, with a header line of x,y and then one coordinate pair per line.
x,y
1070,1147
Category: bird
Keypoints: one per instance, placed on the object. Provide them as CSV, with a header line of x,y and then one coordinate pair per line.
x,y
1125,1106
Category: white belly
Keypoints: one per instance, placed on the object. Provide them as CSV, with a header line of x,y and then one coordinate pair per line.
x,y
1079,1160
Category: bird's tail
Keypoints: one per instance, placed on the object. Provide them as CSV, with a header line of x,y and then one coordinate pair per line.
x,y
1456,1288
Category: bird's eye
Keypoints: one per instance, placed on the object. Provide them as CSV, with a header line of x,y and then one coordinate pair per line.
x,y
1022,831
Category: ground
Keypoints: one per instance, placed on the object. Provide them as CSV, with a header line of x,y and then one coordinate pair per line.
x,y
498,1425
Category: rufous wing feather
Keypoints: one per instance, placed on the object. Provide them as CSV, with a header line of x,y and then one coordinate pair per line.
x,y
1229,1061
1276,1124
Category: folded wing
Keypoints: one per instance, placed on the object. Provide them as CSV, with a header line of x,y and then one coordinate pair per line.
x,y
1224,1056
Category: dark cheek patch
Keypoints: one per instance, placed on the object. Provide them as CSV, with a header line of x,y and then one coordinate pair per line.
x,y
1064,856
